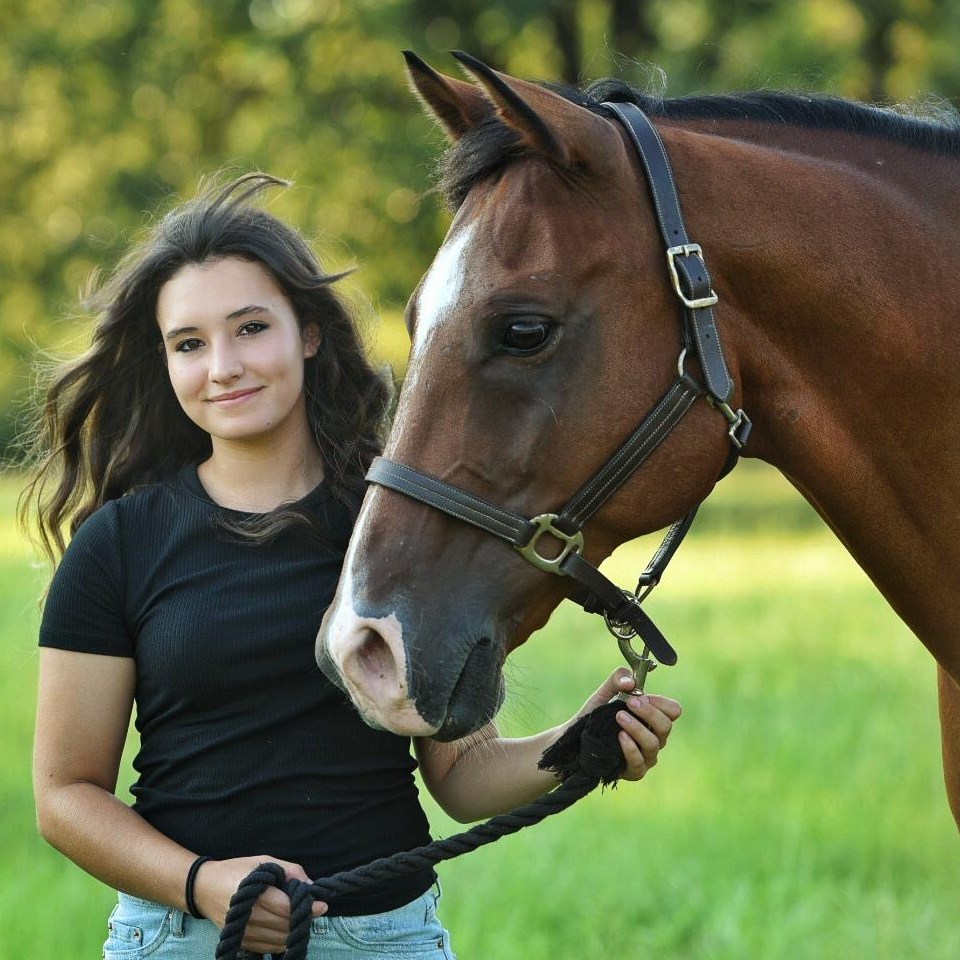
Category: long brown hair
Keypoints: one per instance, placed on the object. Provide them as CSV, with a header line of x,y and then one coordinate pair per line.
x,y
111,422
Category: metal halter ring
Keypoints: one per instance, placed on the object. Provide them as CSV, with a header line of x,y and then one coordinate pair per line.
x,y
572,543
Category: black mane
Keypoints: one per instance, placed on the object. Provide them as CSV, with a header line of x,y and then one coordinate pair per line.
x,y
491,144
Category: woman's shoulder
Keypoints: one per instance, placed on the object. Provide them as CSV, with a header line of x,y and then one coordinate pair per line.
x,y
147,503
88,606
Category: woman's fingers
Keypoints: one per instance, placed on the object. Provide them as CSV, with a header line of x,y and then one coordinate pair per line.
x,y
296,872
670,707
636,765
620,681
646,725
270,918
269,923
655,718
649,741
275,905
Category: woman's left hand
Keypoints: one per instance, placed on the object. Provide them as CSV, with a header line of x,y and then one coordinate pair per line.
x,y
645,722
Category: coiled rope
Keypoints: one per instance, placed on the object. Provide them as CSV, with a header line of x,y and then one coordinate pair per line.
x,y
587,755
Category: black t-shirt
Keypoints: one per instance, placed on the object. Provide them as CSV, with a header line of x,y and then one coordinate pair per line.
x,y
245,747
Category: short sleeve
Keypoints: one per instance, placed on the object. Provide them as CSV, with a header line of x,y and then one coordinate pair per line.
x,y
84,610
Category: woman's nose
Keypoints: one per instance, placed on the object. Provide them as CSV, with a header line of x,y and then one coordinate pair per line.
x,y
225,363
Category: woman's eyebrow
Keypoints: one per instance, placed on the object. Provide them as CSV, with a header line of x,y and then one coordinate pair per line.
x,y
177,331
243,311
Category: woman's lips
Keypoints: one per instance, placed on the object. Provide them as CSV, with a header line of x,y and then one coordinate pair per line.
x,y
233,398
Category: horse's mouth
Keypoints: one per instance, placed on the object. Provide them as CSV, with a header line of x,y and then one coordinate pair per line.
x,y
475,699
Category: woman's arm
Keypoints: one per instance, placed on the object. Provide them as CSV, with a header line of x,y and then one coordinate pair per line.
x,y
485,774
83,712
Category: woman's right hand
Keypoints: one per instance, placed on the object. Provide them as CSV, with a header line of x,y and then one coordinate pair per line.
x,y
217,881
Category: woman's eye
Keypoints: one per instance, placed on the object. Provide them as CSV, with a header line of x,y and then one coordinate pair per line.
x,y
188,346
254,326
524,337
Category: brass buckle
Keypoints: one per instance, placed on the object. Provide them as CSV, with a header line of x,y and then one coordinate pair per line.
x,y
687,250
572,543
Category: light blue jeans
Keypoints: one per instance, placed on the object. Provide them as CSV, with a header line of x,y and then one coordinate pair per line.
x,y
138,929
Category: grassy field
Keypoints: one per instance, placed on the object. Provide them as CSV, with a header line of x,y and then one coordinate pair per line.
x,y
798,813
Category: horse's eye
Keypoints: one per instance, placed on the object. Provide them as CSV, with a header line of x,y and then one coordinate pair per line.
x,y
526,336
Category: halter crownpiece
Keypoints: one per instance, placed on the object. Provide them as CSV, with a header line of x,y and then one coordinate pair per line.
x,y
596,593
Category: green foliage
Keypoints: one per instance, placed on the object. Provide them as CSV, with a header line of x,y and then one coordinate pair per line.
x,y
798,812
109,109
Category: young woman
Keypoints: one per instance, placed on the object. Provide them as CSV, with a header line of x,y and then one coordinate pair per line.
x,y
206,456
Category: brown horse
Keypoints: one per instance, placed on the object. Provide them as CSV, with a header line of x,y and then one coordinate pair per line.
x,y
547,328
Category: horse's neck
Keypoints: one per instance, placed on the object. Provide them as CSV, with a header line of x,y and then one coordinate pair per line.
x,y
932,176
837,285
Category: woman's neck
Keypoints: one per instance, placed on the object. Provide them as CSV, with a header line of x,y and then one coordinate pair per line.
x,y
258,477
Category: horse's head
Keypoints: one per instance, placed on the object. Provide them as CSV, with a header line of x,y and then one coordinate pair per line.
x,y
543,332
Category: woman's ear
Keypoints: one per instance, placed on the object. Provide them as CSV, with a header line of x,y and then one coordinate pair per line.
x,y
311,340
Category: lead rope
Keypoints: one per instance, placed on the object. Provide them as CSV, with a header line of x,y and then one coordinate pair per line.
x,y
587,755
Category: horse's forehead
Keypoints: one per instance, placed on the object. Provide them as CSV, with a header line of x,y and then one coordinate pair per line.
x,y
442,285
506,227
523,225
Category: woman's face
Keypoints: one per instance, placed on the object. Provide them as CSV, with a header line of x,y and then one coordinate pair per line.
x,y
234,349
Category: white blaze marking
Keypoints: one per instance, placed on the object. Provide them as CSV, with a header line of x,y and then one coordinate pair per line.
x,y
345,600
385,703
440,290
441,287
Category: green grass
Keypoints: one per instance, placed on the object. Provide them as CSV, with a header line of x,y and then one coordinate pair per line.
x,y
798,813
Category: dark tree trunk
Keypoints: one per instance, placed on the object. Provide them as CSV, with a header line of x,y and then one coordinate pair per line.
x,y
630,25
567,31
878,44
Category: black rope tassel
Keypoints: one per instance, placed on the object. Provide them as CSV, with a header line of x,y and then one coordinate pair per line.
x,y
589,748
587,754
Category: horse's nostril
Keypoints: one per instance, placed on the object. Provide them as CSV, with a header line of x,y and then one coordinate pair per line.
x,y
375,657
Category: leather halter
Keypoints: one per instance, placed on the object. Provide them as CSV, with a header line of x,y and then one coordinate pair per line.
x,y
597,594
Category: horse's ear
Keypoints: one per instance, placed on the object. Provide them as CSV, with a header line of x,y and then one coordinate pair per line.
x,y
550,124
455,105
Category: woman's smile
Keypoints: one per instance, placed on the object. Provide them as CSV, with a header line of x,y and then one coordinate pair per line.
x,y
235,397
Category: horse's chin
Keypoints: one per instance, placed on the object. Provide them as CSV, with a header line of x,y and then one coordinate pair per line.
x,y
470,707
475,697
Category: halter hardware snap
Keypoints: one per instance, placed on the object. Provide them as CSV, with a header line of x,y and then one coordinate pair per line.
x,y
740,423
688,250
572,543
640,664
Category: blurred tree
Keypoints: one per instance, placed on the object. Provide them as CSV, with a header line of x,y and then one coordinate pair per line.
x,y
878,50
566,30
632,30
110,107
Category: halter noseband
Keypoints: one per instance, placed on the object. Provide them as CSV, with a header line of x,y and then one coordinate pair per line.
x,y
596,593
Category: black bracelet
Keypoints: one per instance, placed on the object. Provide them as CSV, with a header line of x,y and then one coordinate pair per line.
x,y
192,908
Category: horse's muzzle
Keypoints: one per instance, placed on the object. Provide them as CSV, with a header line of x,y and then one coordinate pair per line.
x,y
402,682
